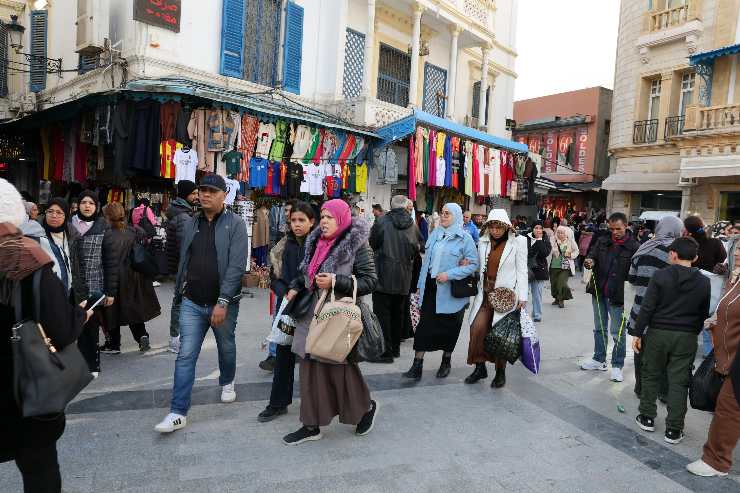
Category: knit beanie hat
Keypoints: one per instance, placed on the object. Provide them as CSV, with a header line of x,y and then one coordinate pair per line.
x,y
12,209
185,188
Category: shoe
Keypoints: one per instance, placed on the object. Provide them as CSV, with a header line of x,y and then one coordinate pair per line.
x,y
303,435
171,422
701,468
228,394
271,413
367,422
268,364
673,436
175,344
479,373
536,320
645,423
617,375
144,344
555,302
593,365
95,374
156,284
499,380
561,304
383,358
108,349
416,369
444,367
663,399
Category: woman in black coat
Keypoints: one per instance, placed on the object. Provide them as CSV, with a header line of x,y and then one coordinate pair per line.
x,y
136,300
537,252
31,442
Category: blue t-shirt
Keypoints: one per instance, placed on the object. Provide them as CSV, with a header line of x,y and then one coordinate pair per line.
x,y
276,178
258,172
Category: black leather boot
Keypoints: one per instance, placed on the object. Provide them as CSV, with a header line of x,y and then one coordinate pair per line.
x,y
415,371
444,368
479,373
500,379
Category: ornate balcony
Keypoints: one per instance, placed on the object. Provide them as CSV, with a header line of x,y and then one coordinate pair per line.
x,y
645,131
658,20
720,118
368,111
673,126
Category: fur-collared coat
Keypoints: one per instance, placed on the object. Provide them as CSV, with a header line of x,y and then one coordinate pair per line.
x,y
350,255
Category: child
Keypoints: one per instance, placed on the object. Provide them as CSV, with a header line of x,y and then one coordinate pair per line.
x,y
674,308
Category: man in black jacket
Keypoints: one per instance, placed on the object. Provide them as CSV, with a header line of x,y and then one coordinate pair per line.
x,y
609,260
178,214
395,240
672,314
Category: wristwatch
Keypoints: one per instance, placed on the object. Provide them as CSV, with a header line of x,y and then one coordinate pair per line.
x,y
223,303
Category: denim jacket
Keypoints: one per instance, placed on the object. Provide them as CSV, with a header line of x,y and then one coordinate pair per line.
x,y
461,246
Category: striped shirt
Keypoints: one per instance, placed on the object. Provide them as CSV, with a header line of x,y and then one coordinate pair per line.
x,y
642,269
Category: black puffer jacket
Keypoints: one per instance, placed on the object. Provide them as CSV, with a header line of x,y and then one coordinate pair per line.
x,y
178,214
291,258
611,267
395,240
537,253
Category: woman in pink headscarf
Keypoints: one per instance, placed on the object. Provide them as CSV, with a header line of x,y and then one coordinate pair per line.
x,y
337,250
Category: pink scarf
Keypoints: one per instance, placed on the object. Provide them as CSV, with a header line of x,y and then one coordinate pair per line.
x,y
341,213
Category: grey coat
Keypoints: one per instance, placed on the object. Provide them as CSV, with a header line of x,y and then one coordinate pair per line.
x,y
231,254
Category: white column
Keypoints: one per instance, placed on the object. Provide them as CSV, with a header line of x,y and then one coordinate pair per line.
x,y
733,77
483,88
452,74
415,42
369,47
491,108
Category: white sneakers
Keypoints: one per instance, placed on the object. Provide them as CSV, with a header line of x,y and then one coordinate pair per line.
x,y
174,344
171,422
593,365
701,468
617,375
228,394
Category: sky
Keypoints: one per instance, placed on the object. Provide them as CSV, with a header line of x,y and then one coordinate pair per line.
x,y
565,45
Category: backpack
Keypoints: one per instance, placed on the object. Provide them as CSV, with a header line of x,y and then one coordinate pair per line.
x,y
335,327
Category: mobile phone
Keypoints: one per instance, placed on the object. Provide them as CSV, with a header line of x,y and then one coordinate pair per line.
x,y
90,307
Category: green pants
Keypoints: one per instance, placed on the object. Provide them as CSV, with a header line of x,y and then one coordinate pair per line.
x,y
671,353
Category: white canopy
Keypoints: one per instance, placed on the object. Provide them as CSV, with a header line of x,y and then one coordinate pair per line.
x,y
657,215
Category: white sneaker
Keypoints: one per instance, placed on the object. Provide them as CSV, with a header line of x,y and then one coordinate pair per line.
x,y
171,422
156,284
228,394
701,468
617,375
593,365
175,344
95,374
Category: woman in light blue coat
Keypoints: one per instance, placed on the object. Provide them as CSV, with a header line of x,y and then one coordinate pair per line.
x,y
450,255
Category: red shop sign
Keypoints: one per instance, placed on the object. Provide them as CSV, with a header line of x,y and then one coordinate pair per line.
x,y
160,13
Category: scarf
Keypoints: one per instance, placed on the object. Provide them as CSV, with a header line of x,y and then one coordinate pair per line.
x,y
668,229
19,256
82,225
440,235
341,212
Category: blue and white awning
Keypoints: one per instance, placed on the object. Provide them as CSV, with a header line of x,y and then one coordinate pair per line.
x,y
708,57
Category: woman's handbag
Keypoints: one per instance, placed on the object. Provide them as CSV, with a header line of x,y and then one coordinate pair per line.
x,y
142,260
504,340
300,305
335,327
45,379
705,385
371,344
502,300
465,288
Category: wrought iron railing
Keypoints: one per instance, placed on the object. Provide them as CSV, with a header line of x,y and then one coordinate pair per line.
x,y
673,126
394,68
645,131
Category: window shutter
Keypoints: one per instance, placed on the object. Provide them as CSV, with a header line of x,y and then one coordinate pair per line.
x,y
232,38
4,58
39,21
293,48
476,100
87,63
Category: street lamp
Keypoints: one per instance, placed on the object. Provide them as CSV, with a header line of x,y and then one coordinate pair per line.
x,y
15,32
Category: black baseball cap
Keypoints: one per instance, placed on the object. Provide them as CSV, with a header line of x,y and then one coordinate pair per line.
x,y
213,180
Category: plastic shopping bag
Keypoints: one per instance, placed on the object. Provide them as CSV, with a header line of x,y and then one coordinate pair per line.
x,y
530,344
282,327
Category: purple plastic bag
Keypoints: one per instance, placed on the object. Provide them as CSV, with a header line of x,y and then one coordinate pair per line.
x,y
531,355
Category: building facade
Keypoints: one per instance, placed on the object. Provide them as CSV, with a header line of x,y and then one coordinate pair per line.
x,y
674,131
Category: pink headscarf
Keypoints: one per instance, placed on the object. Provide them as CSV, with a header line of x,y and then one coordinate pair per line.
x,y
340,211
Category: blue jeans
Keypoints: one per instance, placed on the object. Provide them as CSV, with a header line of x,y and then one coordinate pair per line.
x,y
603,313
536,287
195,320
707,345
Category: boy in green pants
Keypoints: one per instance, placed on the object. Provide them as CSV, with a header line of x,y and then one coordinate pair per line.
x,y
672,315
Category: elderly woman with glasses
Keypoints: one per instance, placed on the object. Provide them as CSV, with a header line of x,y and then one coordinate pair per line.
x,y
450,256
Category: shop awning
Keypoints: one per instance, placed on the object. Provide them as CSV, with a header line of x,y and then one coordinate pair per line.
x,y
658,215
266,104
708,57
641,182
709,166
406,126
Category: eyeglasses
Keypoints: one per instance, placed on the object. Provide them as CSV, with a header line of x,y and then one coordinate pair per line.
x,y
446,213
52,212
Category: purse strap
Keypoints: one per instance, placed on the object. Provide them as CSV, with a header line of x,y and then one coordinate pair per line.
x,y
354,289
18,298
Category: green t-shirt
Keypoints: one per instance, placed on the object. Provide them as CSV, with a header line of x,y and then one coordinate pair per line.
x,y
233,162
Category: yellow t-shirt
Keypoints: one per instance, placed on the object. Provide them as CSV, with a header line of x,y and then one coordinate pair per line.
x,y
361,179
441,136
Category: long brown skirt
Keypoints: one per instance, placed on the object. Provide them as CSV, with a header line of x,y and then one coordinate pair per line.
x,y
478,330
332,390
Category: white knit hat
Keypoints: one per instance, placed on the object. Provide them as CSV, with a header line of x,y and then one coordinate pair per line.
x,y
12,209
499,215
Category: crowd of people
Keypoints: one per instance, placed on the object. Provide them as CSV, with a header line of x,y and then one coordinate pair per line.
x,y
463,274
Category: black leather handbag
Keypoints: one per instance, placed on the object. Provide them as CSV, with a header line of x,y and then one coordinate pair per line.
x,y
705,385
465,288
142,260
371,344
45,379
300,305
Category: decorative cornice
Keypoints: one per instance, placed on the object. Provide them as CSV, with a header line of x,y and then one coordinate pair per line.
x,y
13,4
401,21
504,48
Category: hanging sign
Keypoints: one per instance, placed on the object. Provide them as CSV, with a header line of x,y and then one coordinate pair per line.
x,y
160,13
582,149
535,143
550,150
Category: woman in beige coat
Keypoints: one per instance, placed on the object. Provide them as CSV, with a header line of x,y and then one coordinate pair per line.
x,y
562,265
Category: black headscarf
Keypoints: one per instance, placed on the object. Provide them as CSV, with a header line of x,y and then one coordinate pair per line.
x,y
62,204
92,195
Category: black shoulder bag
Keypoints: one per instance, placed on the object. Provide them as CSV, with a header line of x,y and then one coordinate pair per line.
x,y
465,288
146,225
45,379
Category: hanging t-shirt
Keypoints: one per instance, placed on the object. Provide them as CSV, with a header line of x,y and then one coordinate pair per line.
x,y
232,187
448,162
258,172
233,161
345,176
304,183
268,186
315,179
265,136
294,179
167,150
186,162
361,182
276,171
495,172
440,172
468,150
